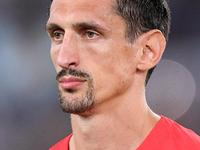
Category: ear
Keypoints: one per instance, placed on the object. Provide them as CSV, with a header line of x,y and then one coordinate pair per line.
x,y
152,47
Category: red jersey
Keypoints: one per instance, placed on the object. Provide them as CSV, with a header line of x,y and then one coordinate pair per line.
x,y
62,145
166,135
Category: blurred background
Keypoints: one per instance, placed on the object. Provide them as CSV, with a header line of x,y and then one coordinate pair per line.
x,y
30,115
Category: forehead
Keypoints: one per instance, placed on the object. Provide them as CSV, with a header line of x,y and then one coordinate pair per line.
x,y
82,3
81,10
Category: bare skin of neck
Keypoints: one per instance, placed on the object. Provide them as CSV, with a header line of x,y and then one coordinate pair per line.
x,y
115,125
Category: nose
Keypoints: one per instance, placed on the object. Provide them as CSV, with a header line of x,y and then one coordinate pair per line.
x,y
68,54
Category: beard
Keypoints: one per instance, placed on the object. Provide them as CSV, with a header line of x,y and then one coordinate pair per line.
x,y
72,104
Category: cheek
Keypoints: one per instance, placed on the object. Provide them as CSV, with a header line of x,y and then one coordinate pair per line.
x,y
54,55
111,81
114,74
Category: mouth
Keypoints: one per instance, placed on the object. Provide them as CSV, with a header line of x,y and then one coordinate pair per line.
x,y
71,82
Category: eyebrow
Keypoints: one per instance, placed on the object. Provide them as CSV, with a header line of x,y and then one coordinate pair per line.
x,y
52,26
80,25
89,25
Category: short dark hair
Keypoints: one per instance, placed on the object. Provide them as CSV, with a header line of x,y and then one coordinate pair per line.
x,y
142,16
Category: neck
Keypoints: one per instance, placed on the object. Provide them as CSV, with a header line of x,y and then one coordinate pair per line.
x,y
124,125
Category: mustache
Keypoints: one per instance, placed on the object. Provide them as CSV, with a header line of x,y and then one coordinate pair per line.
x,y
72,72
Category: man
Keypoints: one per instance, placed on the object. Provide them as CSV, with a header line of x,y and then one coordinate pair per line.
x,y
104,52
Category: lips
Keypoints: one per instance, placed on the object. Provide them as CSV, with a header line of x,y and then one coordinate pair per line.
x,y
71,82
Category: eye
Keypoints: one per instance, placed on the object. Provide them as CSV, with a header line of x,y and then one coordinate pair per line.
x,y
91,35
58,35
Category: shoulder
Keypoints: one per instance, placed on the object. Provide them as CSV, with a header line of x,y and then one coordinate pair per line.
x,y
168,134
174,127
179,135
62,145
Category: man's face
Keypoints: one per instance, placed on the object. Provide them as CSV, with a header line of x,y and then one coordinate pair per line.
x,y
94,61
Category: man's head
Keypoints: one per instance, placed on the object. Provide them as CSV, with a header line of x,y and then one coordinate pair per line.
x,y
142,16
114,42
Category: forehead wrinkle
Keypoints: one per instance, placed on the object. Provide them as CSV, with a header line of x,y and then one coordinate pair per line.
x,y
106,7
